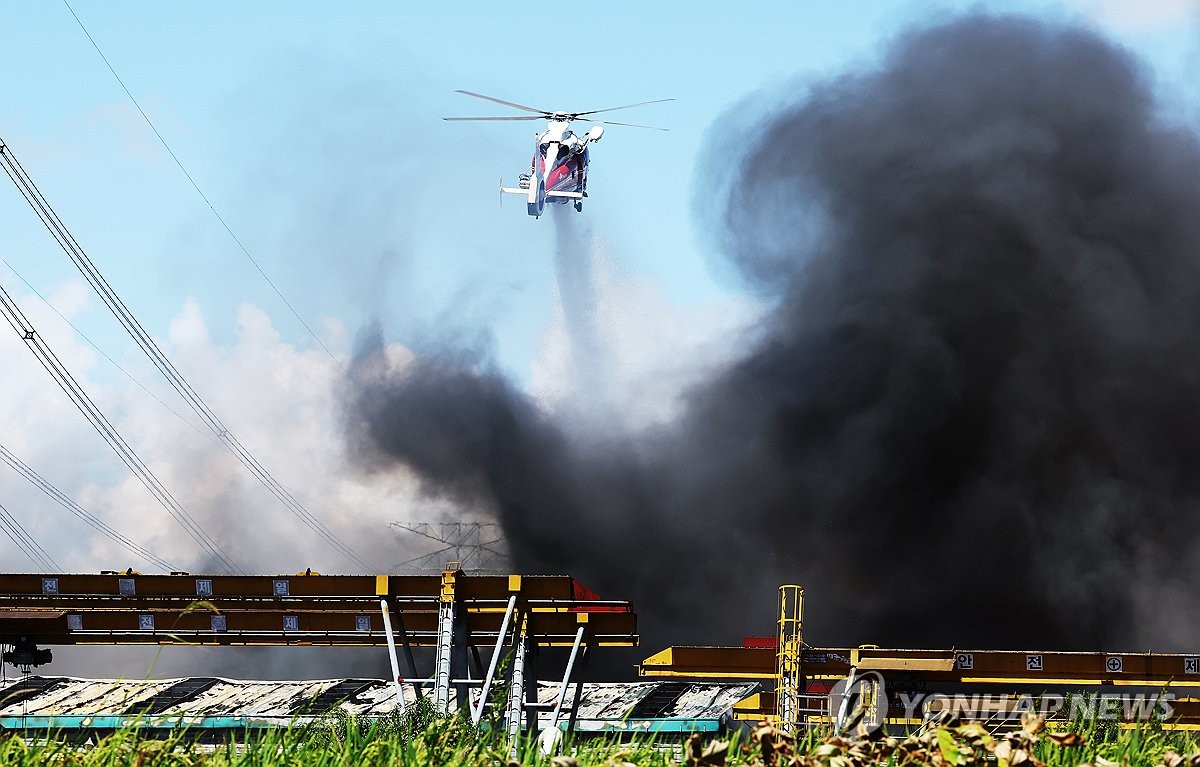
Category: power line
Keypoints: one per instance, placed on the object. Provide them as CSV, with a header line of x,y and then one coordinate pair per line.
x,y
469,543
100,351
276,489
97,524
182,418
12,313
20,536
196,186
49,218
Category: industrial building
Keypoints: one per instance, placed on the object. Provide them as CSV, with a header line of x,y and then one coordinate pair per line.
x,y
213,708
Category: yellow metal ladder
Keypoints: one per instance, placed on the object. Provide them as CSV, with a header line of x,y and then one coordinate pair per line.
x,y
789,680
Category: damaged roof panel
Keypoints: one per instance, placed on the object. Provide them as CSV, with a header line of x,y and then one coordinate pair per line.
x,y
39,702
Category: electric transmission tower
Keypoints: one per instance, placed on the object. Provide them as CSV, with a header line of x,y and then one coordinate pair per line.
x,y
475,546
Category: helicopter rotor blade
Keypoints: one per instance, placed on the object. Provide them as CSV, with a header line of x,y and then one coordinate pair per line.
x,y
531,117
631,125
505,103
613,109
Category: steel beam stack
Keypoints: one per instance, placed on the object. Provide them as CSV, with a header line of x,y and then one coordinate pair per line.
x,y
453,612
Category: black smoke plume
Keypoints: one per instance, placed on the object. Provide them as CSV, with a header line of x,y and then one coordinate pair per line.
x,y
972,416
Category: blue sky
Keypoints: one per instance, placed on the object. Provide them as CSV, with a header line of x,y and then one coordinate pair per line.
x,y
315,129
316,133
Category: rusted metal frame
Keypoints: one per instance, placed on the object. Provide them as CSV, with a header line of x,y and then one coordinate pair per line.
x,y
202,585
549,629
968,667
282,626
223,604
713,662
335,603
548,589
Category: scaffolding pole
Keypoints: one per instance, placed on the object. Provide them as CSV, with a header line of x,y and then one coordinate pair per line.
x,y
562,689
516,690
391,642
789,679
477,714
445,642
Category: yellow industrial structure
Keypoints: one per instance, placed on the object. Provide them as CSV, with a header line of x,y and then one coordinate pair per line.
x,y
813,684
454,612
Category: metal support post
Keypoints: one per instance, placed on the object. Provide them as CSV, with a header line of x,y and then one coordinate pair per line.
x,y
477,714
845,704
460,666
533,717
391,641
445,643
516,690
408,653
562,688
571,718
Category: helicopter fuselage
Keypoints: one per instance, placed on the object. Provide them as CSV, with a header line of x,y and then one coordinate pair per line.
x,y
558,172
560,160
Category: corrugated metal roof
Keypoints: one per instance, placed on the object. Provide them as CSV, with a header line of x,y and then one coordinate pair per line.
x,y
682,706
79,696
40,702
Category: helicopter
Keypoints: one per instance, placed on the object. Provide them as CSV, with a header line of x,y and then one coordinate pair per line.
x,y
558,171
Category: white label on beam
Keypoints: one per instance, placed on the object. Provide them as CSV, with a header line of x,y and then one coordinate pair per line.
x,y
362,623
50,586
291,623
218,623
74,622
127,587
145,622
1034,663
1191,665
204,587
966,661
1114,664
281,587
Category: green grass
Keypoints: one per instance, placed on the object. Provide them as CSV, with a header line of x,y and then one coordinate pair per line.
x,y
423,739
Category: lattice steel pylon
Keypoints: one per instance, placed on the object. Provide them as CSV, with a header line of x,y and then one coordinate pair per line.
x,y
789,680
476,546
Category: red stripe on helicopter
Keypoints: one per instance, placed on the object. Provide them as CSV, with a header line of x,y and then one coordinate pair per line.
x,y
558,175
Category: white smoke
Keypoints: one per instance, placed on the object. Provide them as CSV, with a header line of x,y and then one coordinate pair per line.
x,y
278,399
1140,15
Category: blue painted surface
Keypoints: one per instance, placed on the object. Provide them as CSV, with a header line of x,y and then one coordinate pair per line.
x,y
645,725
112,722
